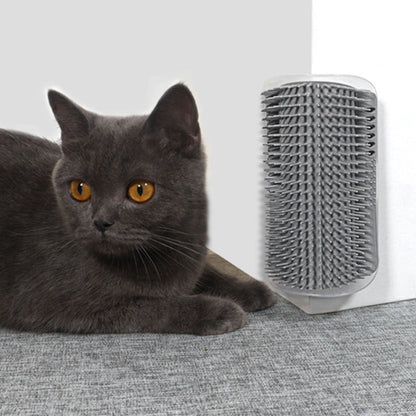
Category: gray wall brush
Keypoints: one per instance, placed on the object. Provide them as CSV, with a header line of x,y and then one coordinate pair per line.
x,y
320,180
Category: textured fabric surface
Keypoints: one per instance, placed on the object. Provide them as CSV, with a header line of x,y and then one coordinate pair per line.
x,y
284,362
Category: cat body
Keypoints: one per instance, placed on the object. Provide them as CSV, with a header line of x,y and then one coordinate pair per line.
x,y
108,232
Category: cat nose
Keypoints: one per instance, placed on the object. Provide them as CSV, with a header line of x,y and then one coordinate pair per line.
x,y
102,225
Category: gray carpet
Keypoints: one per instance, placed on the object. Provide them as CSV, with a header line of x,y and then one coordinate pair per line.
x,y
359,362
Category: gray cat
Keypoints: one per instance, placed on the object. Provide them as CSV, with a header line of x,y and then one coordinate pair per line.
x,y
107,233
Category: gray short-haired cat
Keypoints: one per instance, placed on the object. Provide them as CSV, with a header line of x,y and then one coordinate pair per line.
x,y
107,233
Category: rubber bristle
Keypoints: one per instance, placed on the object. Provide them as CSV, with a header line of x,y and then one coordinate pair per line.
x,y
320,162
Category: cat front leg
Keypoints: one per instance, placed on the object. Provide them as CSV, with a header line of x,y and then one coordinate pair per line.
x,y
195,314
221,278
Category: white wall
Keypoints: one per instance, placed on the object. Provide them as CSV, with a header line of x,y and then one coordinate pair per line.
x,y
375,40
118,57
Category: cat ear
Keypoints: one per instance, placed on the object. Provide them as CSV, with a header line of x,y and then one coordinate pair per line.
x,y
72,119
174,121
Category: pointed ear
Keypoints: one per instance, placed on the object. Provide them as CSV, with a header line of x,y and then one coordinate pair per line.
x,y
72,119
174,121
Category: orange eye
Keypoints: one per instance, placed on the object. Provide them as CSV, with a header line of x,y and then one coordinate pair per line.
x,y
80,190
140,191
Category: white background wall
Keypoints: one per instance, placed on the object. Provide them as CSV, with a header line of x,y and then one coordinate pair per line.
x,y
375,40
118,58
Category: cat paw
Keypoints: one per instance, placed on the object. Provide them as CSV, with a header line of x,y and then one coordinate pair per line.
x,y
257,296
219,316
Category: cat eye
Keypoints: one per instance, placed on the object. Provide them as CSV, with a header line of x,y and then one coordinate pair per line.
x,y
80,190
140,191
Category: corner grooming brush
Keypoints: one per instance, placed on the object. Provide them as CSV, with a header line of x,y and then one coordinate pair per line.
x,y
321,144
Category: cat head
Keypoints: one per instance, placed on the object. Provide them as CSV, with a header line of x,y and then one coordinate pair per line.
x,y
126,182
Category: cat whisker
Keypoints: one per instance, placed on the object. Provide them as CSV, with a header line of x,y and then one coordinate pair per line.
x,y
175,231
135,264
153,263
39,231
66,245
191,247
143,262
170,247
165,254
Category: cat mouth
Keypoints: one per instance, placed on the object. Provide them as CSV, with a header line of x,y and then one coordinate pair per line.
x,y
112,244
